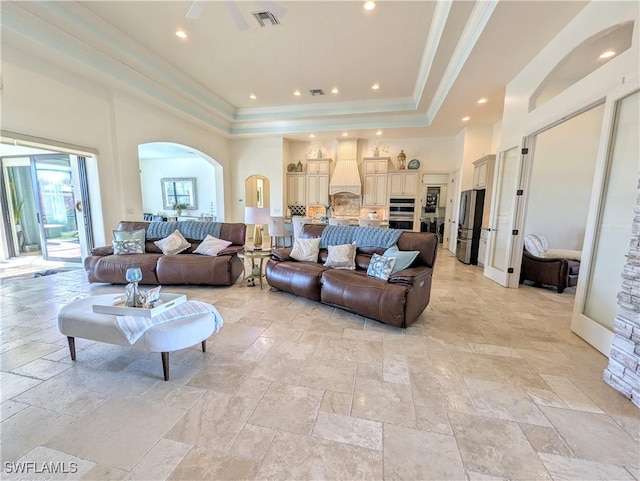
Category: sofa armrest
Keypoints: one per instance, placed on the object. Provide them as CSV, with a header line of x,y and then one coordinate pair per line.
x,y
231,250
410,275
281,255
102,251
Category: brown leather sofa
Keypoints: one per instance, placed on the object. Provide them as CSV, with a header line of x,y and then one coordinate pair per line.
x,y
557,272
183,268
398,301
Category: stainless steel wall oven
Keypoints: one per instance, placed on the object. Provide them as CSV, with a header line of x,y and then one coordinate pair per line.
x,y
401,212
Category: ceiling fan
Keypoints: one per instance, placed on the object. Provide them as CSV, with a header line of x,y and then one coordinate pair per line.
x,y
198,6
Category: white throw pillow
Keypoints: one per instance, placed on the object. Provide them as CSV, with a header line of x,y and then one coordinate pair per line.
x,y
535,244
210,246
306,250
173,244
342,256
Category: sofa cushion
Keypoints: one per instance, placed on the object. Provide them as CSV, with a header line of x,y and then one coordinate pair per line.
x,y
380,266
128,242
305,250
404,259
196,269
299,278
173,244
364,295
211,246
341,256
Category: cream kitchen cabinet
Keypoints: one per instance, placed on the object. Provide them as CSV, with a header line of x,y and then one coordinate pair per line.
x,y
481,169
296,188
317,182
375,181
403,183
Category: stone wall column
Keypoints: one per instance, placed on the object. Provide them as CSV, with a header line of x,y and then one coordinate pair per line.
x,y
623,371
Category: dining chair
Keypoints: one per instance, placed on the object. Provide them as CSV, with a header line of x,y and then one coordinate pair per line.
x,y
298,222
368,222
278,231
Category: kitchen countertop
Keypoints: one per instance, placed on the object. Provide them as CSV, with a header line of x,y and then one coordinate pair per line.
x,y
353,221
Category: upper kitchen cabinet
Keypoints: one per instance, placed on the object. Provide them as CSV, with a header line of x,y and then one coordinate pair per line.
x,y
481,168
403,183
317,181
375,181
375,165
296,188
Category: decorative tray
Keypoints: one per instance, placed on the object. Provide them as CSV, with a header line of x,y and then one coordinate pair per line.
x,y
116,306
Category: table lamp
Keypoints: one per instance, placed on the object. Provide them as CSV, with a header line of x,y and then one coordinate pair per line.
x,y
258,216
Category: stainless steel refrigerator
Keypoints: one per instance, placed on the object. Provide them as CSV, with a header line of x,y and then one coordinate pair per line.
x,y
469,225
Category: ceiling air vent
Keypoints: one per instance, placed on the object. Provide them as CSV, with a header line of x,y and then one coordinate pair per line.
x,y
266,18
316,92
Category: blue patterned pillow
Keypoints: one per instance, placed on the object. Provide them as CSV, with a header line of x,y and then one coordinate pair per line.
x,y
129,246
404,259
128,242
380,266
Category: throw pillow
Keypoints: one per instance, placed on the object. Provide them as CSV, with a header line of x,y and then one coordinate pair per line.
x,y
403,258
381,266
306,250
128,241
210,246
342,256
535,244
173,243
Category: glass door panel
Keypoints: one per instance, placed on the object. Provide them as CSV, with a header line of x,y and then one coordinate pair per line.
x,y
500,240
56,202
613,226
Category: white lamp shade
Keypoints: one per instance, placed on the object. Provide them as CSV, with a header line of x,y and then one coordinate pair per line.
x,y
257,215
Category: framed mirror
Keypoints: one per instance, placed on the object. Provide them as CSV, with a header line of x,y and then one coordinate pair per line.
x,y
179,190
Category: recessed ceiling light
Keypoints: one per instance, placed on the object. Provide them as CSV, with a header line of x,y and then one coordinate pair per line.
x,y
313,136
607,54
334,90
482,101
375,86
297,93
466,119
181,34
252,96
379,132
369,5
344,134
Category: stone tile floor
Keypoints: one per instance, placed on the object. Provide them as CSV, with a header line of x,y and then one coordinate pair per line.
x,y
489,383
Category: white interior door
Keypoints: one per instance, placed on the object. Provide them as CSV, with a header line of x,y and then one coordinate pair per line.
x,y
502,220
453,208
610,220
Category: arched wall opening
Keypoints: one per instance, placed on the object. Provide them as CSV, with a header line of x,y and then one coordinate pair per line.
x,y
168,160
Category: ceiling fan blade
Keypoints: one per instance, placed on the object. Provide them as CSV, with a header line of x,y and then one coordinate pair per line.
x,y
238,19
195,10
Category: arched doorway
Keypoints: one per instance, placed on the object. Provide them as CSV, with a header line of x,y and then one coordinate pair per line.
x,y
160,161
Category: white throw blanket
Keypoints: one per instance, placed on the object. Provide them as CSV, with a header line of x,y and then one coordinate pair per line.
x,y
133,327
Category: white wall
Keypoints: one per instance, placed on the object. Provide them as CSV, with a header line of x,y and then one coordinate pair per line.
x,y
564,160
262,156
43,100
153,170
477,144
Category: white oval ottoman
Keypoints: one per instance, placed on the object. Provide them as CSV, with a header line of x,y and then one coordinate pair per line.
x,y
77,319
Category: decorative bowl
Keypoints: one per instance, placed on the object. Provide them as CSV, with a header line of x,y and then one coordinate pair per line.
x,y
291,167
414,164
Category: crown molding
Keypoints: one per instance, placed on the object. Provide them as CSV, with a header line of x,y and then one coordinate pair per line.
x,y
476,23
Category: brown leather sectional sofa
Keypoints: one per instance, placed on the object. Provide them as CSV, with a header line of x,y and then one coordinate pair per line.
x,y
398,301
184,268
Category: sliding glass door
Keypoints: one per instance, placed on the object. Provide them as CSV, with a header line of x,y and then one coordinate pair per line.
x,y
56,207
